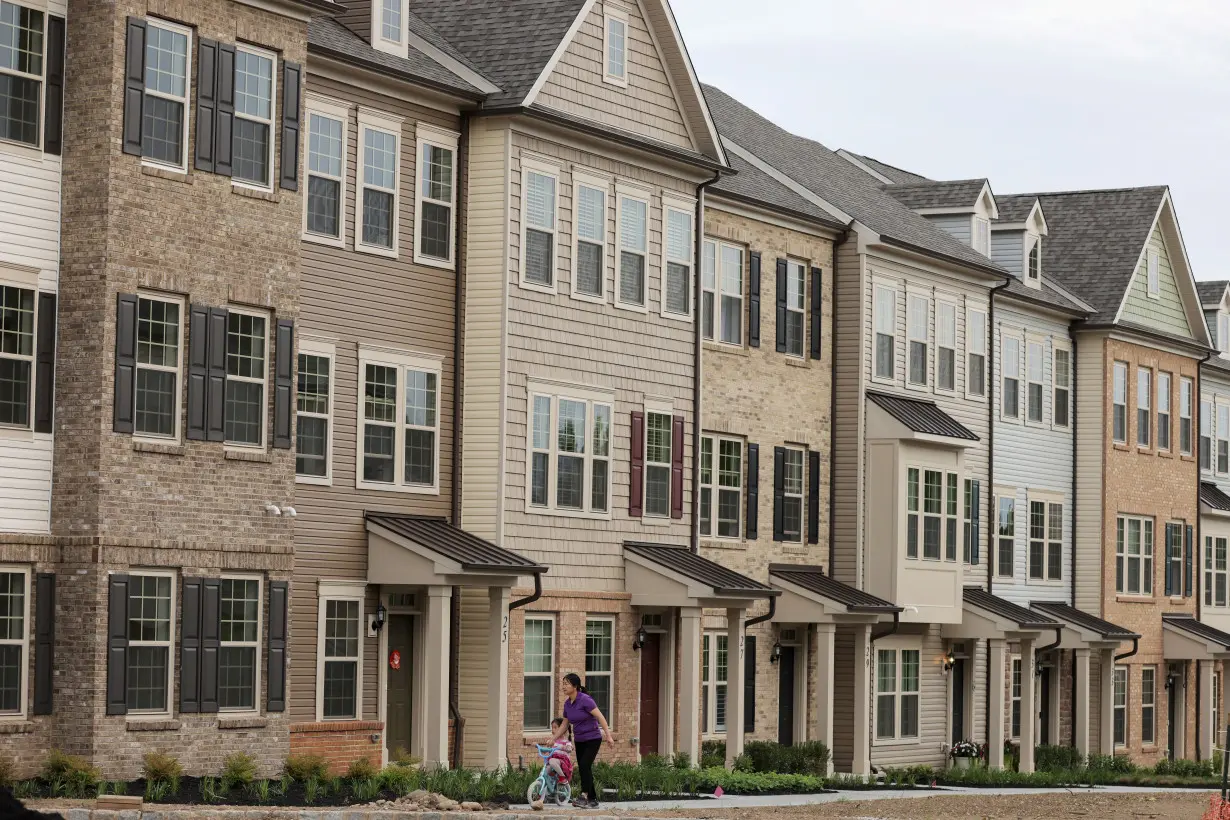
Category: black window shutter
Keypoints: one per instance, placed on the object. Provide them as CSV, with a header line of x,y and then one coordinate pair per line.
x,y
752,514
753,301
44,641
779,492
1170,579
817,313
215,392
134,85
283,381
749,684
291,125
781,305
198,369
190,647
1187,561
224,113
125,361
975,521
53,116
45,370
211,628
206,103
813,498
276,677
117,645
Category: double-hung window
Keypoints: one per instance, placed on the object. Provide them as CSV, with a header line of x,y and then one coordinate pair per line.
x,y
1163,411
1215,571
976,345
658,452
538,240
589,271
158,366
1119,404
14,639
600,661
1223,438
1186,390
239,648
1120,692
792,494
633,269
392,22
1206,435
539,683
377,192
1061,377
400,423
168,61
254,106
723,478
326,171
314,416
1045,541
1154,278
931,514
897,693
16,355
435,197
1134,555
246,373
1148,705
1144,416
885,309
340,653
967,519
933,510
919,333
1174,558
714,673
722,296
950,516
677,285
796,304
1034,374
1015,725
615,47
1005,535
945,346
570,452
1012,377
151,602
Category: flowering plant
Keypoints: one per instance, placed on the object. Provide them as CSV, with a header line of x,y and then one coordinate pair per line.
x,y
965,748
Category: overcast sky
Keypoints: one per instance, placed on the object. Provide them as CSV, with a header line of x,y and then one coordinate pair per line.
x,y
1038,95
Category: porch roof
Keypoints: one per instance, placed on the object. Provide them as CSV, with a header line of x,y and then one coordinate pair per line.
x,y
1025,619
1210,635
813,579
1212,497
472,553
921,416
1083,620
680,560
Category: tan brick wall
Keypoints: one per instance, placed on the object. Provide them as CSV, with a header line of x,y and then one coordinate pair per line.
x,y
340,743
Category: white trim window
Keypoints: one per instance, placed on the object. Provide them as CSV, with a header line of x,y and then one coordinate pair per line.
x,y
314,413
919,333
1120,701
590,196
1173,536
967,521
165,110
1061,386
151,640
435,197
632,270
722,298
982,235
1215,571
1223,333
976,345
714,674
247,371
324,218
399,431
1134,555
614,48
539,219
378,184
885,309
600,661
239,650
945,346
255,102
1119,426
897,694
1148,705
658,460
677,273
1163,411
1014,725
792,494
1186,391
1035,375
1206,435
17,336
1005,534
391,25
159,358
1154,284
931,514
1011,385
728,488
796,306
14,641
1144,409
570,453
339,692
1033,262
1223,439
539,675
1045,540
951,521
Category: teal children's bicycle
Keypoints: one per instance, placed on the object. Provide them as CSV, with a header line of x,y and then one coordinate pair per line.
x,y
550,785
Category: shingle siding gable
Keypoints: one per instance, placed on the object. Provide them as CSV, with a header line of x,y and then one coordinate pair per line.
x,y
1165,312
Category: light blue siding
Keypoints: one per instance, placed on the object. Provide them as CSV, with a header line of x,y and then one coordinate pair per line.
x,y
1008,250
960,226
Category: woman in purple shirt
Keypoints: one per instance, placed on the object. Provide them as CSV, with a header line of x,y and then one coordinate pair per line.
x,y
588,726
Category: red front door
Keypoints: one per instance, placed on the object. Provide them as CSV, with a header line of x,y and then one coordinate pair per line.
x,y
651,662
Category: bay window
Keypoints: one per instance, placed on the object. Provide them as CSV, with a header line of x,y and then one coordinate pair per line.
x,y
1134,555
399,427
728,471
1215,571
570,452
252,142
931,514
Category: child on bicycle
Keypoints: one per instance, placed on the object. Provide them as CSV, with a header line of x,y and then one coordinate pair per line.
x,y
560,761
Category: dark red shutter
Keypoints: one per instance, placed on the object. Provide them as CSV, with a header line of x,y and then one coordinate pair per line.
x,y
215,391
134,86
117,645
44,641
636,481
779,493
752,514
125,361
753,301
198,370
211,628
291,125
781,305
283,371
677,467
45,368
224,126
813,497
53,104
190,647
206,103
817,313
279,595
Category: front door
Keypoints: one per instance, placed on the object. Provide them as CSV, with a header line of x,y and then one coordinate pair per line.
x,y
1044,712
958,700
397,726
651,678
785,697
1172,722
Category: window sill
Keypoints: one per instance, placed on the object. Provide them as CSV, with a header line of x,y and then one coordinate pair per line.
x,y
727,348
593,299
631,307
1121,447
240,189
396,488
1177,599
594,516
24,150
1165,454
1187,457
909,741
1135,599
1140,448
537,287
16,434
250,722
431,262
724,544
657,520
373,250
165,448
253,456
321,239
152,725
172,174
796,361
16,727
685,318
319,481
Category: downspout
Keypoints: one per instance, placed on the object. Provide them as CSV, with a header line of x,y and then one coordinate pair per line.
x,y
1072,556
992,381
889,630
1130,652
768,616
1197,539
698,256
529,599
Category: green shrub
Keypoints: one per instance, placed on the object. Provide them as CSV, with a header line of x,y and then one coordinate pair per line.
x,y
259,791
362,769
238,771
654,762
302,768
811,757
401,780
70,776
682,760
1057,759
1184,768
1120,764
400,757
311,791
365,790
712,754
163,768
744,763
211,792
156,790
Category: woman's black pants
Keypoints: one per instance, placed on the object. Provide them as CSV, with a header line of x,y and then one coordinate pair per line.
x,y
587,753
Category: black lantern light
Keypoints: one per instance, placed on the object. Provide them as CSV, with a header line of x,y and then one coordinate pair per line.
x,y
640,639
949,661
776,654
378,621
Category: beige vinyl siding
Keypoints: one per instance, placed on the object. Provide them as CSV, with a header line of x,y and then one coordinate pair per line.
x,y
1166,313
850,343
472,695
1095,703
1091,387
356,15
933,716
843,698
648,106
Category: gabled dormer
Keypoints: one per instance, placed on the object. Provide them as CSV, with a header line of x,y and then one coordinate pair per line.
x,y
1017,238
382,23
964,208
1215,302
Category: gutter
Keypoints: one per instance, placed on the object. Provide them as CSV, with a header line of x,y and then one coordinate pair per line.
x,y
1152,335
404,76
997,272
832,370
838,227
890,630
529,599
759,619
1130,652
698,250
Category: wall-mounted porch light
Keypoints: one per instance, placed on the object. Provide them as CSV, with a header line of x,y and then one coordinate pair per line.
x,y
639,640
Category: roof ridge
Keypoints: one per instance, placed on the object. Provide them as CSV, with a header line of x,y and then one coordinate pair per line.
x,y
1081,191
882,162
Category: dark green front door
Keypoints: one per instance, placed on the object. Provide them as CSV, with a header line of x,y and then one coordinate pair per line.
x,y
397,728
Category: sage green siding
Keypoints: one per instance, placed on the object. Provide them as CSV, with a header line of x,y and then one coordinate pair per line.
x,y
1165,313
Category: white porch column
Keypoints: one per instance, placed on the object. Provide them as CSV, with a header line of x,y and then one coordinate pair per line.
x,y
1106,739
497,681
826,638
735,674
1208,729
1179,692
860,762
1052,707
1081,717
995,702
435,688
1029,701
689,682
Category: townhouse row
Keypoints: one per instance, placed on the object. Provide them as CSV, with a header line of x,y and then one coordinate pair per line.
x,y
367,365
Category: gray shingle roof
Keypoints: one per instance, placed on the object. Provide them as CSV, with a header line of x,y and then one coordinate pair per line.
x,y
813,579
752,183
1022,617
1084,620
1187,623
921,416
682,560
422,28
1211,291
957,193
835,180
1048,296
509,41
472,552
1094,240
897,175
1211,495
1014,207
327,36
